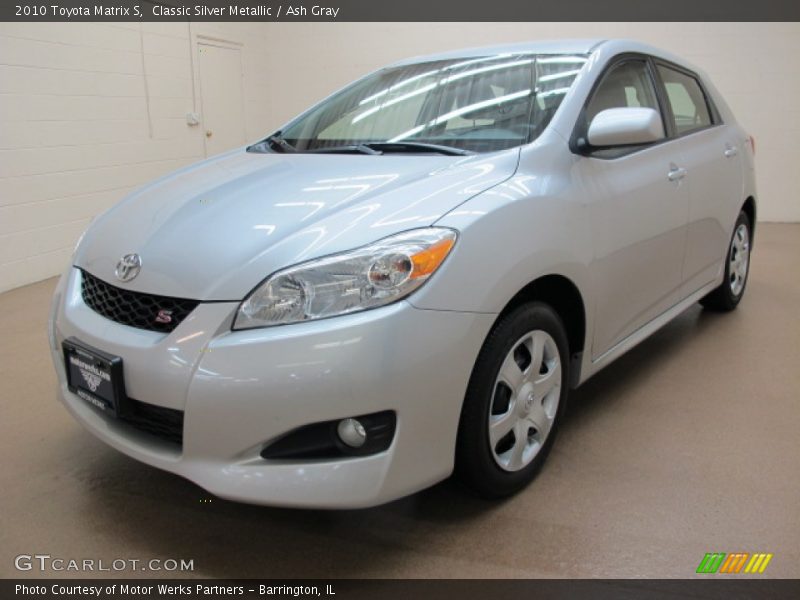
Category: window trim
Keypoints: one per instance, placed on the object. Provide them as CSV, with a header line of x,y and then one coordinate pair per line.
x,y
713,113
579,130
577,141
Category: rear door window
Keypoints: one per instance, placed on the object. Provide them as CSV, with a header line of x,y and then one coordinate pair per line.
x,y
690,111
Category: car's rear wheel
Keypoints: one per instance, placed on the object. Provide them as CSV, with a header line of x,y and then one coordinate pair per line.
x,y
737,267
516,397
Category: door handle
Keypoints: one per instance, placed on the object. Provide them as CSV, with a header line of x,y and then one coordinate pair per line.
x,y
676,173
730,151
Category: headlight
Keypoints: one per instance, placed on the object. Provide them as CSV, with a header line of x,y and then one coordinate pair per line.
x,y
364,278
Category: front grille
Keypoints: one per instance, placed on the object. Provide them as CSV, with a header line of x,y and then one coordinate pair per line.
x,y
134,308
164,423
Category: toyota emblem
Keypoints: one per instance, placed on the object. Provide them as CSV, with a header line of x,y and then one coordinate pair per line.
x,y
128,267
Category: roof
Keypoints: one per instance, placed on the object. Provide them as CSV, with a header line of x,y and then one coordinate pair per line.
x,y
607,47
540,47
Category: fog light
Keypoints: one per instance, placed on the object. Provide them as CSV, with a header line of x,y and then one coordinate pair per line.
x,y
352,433
361,435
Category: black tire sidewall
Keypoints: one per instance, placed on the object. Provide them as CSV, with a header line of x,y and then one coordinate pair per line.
x,y
731,298
475,463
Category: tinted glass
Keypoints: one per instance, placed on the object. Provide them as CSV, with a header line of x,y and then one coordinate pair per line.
x,y
687,100
627,84
479,104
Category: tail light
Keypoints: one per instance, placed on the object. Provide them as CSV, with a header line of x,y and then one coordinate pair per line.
x,y
752,141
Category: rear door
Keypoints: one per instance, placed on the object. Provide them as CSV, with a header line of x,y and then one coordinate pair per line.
x,y
711,153
639,208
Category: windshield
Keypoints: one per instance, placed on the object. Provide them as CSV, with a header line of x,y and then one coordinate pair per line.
x,y
476,105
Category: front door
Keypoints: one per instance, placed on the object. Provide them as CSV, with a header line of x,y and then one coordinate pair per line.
x,y
639,211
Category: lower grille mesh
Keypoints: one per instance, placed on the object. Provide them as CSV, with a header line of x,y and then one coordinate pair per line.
x,y
164,423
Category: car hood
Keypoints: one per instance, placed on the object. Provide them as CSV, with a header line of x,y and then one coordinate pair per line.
x,y
214,230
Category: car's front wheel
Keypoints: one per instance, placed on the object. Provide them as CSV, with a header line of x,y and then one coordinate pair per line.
x,y
737,267
516,397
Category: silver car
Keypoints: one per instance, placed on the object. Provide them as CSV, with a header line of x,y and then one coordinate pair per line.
x,y
406,280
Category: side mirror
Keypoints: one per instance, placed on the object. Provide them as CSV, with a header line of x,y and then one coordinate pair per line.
x,y
625,127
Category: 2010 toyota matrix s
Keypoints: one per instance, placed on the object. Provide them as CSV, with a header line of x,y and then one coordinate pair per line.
x,y
407,279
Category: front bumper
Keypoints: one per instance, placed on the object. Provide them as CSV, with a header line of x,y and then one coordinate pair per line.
x,y
240,390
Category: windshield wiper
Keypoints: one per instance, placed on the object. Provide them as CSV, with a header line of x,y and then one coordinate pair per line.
x,y
392,147
347,149
418,147
274,141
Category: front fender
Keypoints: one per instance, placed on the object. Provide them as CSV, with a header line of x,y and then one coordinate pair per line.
x,y
529,226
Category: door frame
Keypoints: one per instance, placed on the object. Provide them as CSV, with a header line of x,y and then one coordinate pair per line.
x,y
200,39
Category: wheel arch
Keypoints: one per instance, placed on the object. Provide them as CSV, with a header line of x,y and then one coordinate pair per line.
x,y
749,208
565,298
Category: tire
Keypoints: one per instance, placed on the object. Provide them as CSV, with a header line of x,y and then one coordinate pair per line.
x,y
506,390
737,268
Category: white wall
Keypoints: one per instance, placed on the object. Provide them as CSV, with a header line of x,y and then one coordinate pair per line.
x,y
90,111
